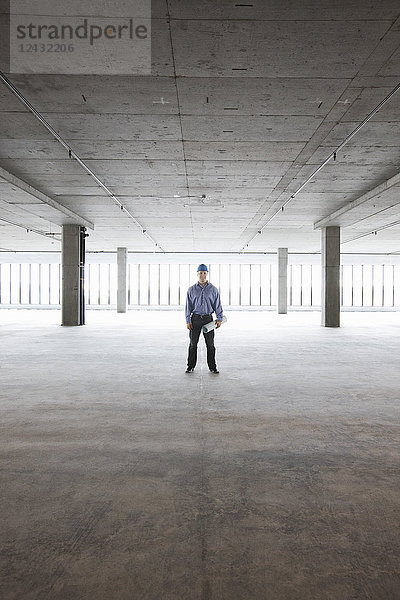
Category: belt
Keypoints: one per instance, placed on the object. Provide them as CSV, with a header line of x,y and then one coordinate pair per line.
x,y
202,316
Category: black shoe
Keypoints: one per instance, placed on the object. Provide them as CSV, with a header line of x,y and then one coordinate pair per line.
x,y
189,370
214,371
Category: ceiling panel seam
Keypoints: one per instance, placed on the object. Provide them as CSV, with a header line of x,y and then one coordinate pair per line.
x,y
328,159
74,156
392,24
180,118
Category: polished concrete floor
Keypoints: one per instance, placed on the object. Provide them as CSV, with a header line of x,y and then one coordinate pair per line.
x,y
123,478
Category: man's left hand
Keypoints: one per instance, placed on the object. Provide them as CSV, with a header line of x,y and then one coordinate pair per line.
x,y
218,324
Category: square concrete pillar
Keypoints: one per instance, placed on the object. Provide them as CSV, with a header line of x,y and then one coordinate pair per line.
x,y
70,258
122,260
282,280
330,280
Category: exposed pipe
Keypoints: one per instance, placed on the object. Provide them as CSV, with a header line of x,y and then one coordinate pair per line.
x,y
31,230
332,155
73,155
372,232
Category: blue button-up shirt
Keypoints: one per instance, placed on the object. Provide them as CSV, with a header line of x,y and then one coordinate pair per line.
x,y
203,301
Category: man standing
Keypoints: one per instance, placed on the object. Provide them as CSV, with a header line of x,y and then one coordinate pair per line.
x,y
201,301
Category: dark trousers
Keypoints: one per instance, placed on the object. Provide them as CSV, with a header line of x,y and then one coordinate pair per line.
x,y
194,334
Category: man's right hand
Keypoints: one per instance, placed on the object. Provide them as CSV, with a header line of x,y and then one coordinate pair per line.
x,y
189,325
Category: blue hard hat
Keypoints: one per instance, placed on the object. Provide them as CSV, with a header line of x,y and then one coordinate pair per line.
x,y
202,268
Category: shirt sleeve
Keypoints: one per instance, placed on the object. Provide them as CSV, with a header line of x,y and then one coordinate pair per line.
x,y
217,306
188,307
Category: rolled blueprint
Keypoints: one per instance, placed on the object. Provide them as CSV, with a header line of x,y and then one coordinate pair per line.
x,y
212,325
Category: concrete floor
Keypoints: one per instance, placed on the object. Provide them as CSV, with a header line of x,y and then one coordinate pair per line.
x,y
123,478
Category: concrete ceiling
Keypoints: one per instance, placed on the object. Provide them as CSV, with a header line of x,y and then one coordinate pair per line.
x,y
244,102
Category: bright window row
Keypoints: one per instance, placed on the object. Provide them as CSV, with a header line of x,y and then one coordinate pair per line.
x,y
166,285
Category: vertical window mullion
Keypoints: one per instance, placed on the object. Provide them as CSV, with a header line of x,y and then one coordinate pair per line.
x,y
40,284
89,274
169,285
99,286
362,285
138,286
251,287
240,284
393,286
179,285
20,285
30,285
109,285
301,284
341,285
352,285
373,284
270,284
148,285
230,285
49,283
59,284
159,284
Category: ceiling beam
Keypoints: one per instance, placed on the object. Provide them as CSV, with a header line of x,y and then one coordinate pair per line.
x,y
333,218
25,187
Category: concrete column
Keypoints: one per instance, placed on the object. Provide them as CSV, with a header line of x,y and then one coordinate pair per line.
x,y
282,280
70,302
330,281
122,259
